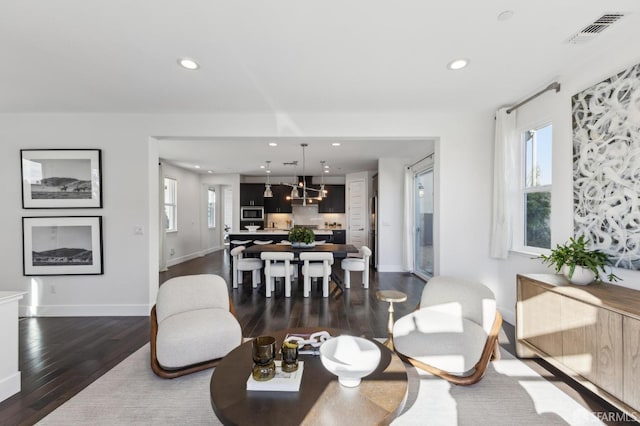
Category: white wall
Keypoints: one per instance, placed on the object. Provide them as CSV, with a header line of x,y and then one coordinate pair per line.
x,y
185,243
463,167
557,109
390,214
130,198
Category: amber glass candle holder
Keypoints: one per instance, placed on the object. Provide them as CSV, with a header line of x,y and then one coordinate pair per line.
x,y
264,352
289,356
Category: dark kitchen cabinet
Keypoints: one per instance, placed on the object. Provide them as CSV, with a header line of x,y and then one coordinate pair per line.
x,y
334,201
339,236
252,194
278,203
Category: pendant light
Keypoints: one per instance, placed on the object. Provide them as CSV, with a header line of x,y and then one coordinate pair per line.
x,y
323,191
294,187
267,188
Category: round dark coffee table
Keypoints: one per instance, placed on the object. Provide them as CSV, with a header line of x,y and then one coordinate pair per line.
x,y
321,399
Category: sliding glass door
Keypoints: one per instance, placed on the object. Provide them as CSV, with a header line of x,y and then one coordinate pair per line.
x,y
423,219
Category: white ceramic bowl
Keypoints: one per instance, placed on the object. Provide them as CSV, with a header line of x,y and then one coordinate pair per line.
x,y
350,358
252,228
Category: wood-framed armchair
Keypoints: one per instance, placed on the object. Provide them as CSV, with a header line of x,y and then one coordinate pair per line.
x,y
454,332
193,325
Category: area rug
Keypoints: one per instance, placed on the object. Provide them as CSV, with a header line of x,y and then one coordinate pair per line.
x,y
510,394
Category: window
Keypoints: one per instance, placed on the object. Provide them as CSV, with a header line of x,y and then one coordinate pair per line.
x,y
536,188
171,204
211,207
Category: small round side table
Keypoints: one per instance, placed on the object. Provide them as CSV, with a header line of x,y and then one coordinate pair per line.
x,y
390,296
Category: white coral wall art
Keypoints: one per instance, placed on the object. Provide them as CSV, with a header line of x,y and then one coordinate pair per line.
x,y
606,166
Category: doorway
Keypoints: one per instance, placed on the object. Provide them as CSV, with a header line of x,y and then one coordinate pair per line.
x,y
423,220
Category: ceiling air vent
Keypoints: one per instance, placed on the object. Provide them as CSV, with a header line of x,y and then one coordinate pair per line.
x,y
595,28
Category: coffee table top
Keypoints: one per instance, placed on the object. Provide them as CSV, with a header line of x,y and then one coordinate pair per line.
x,y
321,399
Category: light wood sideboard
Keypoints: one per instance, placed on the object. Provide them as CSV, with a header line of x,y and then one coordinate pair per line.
x,y
591,333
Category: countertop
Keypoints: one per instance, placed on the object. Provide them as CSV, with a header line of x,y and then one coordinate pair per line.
x,y
271,231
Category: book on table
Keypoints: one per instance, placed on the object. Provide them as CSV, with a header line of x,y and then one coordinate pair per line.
x,y
308,343
285,382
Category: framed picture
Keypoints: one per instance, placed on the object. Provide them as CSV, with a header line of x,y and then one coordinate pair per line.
x,y
61,178
63,245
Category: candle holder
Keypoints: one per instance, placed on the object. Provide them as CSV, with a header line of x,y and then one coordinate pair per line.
x,y
289,356
264,352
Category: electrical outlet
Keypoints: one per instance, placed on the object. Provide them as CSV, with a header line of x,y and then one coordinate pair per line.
x,y
172,252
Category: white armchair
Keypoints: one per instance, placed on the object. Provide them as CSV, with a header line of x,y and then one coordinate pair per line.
x,y
454,333
193,325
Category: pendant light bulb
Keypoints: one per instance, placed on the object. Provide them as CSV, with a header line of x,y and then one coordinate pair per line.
x,y
267,187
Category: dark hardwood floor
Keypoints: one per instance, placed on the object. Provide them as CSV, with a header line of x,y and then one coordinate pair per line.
x,y
61,356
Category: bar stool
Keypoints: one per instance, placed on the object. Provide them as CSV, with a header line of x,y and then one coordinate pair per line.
x,y
261,243
241,264
277,265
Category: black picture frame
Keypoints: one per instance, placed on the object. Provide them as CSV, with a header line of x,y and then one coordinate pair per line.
x,y
62,245
61,178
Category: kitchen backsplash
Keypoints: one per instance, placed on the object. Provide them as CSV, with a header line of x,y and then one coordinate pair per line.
x,y
306,215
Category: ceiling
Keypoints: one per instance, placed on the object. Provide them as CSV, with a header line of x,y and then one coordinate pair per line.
x,y
246,155
291,56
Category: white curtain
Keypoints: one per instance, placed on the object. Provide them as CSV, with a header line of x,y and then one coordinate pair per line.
x,y
162,221
408,225
504,183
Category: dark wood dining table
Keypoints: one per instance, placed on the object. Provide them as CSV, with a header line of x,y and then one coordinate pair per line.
x,y
339,251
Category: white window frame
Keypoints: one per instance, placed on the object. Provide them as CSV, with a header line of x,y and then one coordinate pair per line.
x,y
519,229
173,206
211,208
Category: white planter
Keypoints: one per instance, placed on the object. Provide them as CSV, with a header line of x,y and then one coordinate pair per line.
x,y
581,276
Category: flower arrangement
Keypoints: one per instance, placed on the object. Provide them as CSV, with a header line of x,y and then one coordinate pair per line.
x,y
574,254
300,234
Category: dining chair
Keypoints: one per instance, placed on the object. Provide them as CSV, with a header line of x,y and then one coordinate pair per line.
x,y
357,264
316,265
277,265
241,264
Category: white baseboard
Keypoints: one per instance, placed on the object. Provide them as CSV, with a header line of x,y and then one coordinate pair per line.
x,y
181,259
391,268
85,311
9,385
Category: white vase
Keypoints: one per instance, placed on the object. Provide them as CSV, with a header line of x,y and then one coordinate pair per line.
x,y
581,276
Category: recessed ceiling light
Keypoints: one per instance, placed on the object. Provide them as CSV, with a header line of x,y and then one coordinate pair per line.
x,y
188,64
506,15
196,166
268,171
326,166
458,64
326,171
273,144
336,144
209,171
262,166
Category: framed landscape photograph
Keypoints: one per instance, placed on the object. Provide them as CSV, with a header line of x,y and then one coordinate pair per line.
x,y
61,178
63,245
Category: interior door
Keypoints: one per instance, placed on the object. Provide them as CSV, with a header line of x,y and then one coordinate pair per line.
x,y
423,196
357,234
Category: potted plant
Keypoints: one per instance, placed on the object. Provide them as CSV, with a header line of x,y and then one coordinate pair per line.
x,y
579,264
300,236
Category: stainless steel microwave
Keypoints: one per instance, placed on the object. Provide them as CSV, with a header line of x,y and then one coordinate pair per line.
x,y
252,213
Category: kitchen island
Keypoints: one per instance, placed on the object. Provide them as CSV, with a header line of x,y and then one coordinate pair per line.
x,y
276,235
